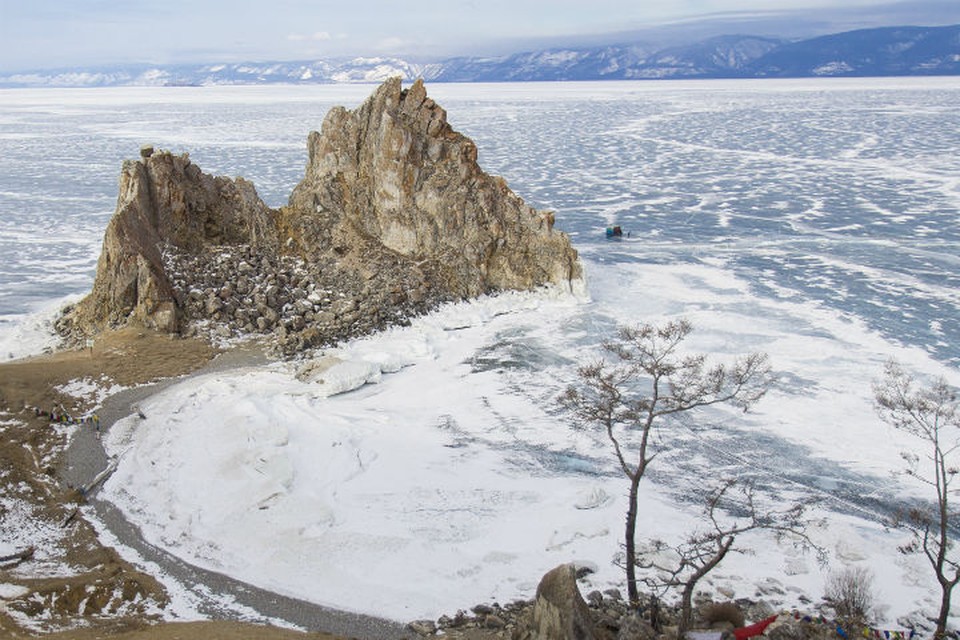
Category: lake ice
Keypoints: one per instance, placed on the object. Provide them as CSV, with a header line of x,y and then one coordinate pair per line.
x,y
814,220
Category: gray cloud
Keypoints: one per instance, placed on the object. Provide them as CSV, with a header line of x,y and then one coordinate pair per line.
x,y
61,33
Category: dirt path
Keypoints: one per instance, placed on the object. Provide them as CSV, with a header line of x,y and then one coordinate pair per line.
x,y
147,363
218,596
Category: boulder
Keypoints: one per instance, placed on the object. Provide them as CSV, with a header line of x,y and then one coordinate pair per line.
x,y
633,627
423,627
559,611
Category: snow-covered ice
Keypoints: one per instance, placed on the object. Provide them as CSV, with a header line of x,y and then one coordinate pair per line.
x,y
428,468
455,480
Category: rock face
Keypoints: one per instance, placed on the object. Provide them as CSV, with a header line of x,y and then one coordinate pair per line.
x,y
392,217
560,612
395,173
165,201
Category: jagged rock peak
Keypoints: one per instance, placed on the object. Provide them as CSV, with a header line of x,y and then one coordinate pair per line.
x,y
395,172
393,217
164,201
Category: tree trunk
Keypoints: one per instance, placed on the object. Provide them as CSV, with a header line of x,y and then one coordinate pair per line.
x,y
686,609
629,541
941,631
686,601
943,543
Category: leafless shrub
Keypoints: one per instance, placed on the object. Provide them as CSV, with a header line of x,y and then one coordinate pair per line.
x,y
851,594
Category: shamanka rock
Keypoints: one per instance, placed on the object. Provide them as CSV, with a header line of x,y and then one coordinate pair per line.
x,y
393,217
394,174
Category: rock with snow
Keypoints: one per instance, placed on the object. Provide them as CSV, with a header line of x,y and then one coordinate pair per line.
x,y
592,499
393,217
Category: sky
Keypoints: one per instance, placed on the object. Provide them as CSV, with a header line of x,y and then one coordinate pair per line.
x,y
42,34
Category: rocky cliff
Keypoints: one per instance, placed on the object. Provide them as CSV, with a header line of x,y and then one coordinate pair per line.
x,y
393,216
395,173
165,204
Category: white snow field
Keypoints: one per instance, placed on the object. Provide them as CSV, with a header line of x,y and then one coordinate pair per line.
x,y
454,480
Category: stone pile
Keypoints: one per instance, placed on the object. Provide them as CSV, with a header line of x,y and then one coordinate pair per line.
x,y
559,612
514,621
238,290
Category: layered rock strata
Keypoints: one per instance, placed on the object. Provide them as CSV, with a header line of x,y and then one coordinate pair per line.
x,y
393,217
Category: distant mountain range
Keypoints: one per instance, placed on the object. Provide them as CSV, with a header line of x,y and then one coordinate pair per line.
x,y
888,51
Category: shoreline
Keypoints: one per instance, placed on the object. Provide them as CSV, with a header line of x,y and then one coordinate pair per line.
x,y
187,576
82,458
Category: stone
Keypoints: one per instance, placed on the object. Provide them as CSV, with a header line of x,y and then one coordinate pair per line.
x,y
768,587
721,615
212,305
459,619
270,314
635,628
791,629
559,612
423,627
493,621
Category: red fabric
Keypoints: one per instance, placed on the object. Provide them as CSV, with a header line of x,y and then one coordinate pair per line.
x,y
753,630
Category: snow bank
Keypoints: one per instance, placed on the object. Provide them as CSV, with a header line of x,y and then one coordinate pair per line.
x,y
31,334
453,480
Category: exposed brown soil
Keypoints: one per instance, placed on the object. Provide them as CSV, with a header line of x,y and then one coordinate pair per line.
x,y
127,357
98,590
215,630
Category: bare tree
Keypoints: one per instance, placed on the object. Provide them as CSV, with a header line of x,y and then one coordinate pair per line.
x,y
930,413
649,384
687,563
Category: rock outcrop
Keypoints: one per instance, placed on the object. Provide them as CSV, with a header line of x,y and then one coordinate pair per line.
x,y
395,174
165,202
393,216
560,612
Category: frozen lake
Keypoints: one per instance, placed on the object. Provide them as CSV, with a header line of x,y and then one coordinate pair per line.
x,y
818,221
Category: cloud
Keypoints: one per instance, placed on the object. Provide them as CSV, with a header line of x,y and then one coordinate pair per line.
x,y
317,36
52,33
393,43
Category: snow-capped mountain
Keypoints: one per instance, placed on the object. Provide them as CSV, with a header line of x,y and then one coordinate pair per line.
x,y
612,62
359,70
885,51
900,51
